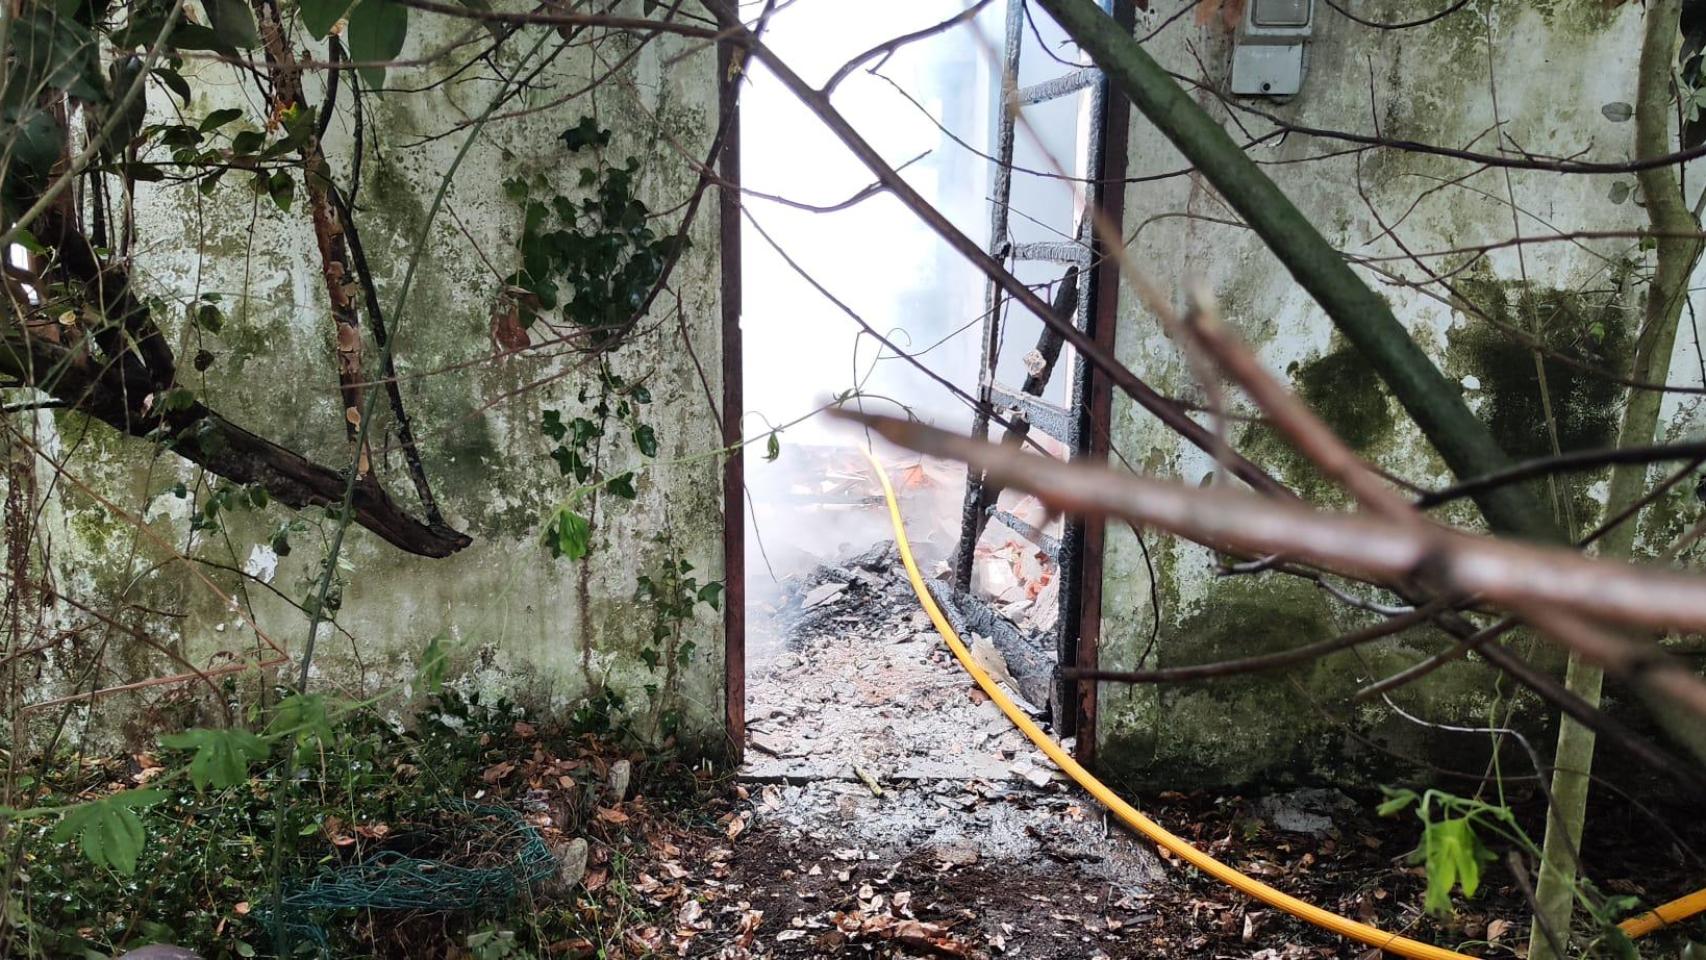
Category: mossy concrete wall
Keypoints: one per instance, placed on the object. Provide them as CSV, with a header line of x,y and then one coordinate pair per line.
x,y
517,623
1557,76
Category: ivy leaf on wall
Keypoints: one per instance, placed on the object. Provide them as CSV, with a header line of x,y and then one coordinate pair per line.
x,y
108,830
585,134
568,534
376,32
712,594
552,425
622,485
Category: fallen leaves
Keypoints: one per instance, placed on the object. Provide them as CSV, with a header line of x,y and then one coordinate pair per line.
x,y
917,934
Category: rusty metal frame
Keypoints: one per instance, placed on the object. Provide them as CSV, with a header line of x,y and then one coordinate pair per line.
x,y
1104,318
1080,425
734,473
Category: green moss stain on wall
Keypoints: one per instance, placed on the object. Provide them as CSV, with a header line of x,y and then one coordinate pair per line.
x,y
1285,725
1586,327
1347,394
1429,84
1585,336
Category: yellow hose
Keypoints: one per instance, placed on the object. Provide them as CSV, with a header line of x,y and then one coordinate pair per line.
x,y
1673,912
1343,926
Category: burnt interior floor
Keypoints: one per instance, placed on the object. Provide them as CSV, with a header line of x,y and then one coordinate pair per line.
x,y
875,767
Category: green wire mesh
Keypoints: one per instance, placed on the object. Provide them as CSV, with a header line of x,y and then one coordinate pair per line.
x,y
390,880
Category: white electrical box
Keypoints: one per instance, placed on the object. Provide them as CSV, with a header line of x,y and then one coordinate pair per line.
x,y
1270,52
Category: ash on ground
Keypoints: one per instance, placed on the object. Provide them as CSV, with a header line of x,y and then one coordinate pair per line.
x,y
864,732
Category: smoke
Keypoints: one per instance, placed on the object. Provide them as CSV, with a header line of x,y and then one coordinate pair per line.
x,y
808,505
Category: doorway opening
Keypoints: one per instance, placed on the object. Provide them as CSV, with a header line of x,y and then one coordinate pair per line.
x,y
849,299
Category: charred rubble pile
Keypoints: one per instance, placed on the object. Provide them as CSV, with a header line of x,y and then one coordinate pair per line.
x,y
869,593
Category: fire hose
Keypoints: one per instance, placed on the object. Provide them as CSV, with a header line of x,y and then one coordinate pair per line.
x,y
1669,913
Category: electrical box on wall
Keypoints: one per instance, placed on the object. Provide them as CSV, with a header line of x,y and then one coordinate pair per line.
x,y
1270,52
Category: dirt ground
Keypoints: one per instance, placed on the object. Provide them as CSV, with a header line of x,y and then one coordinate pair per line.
x,y
889,810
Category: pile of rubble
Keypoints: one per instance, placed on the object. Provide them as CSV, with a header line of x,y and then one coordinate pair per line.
x,y
859,673
887,788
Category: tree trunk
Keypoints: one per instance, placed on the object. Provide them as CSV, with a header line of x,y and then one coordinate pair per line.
x,y
1671,221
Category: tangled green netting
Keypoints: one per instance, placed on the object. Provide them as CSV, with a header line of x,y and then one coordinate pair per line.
x,y
389,880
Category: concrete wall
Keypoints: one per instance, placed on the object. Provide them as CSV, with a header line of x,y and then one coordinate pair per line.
x,y
1553,67
518,623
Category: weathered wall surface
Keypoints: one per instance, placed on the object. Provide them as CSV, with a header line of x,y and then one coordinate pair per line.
x,y
546,632
1551,72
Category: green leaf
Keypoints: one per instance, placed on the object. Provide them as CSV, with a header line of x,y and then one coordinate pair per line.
x,y
586,431
108,830
176,400
35,137
552,425
208,317
585,134
303,718
646,439
219,118
1396,801
1452,856
299,124
282,189
54,51
222,757
435,661
124,73
772,447
622,486
233,23
568,534
320,16
174,81
247,142
280,542
377,29
144,172
568,461
28,241
712,593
